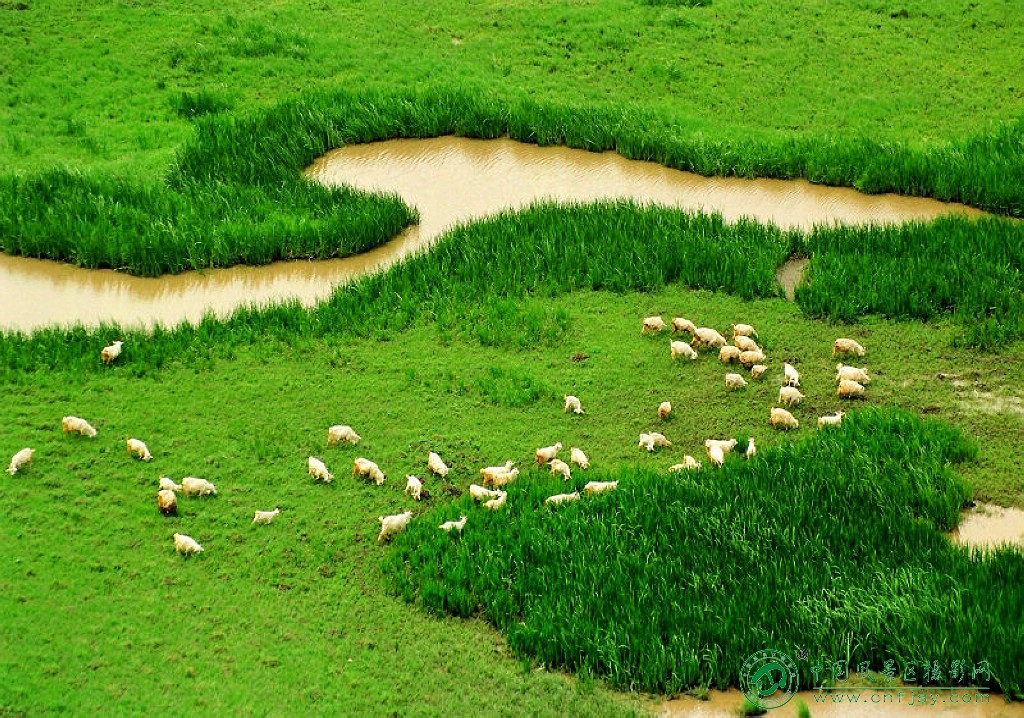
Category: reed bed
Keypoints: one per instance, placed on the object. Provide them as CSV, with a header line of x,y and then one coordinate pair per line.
x,y
832,545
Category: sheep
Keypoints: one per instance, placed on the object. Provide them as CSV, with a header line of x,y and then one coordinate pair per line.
x,y
847,346
683,325
22,458
790,396
435,465
138,449
576,456
852,373
716,455
167,502
191,485
318,470
652,325
751,449
745,344
743,330
413,486
499,480
659,439
365,467
547,453
167,484
850,389
112,352
834,420
792,376
664,409
572,403
599,487
391,525
706,336
726,445
782,419
265,517
495,504
342,432
757,370
491,471
83,427
186,545
688,463
456,525
734,381
750,358
729,354
646,442
682,349
558,499
479,493
561,468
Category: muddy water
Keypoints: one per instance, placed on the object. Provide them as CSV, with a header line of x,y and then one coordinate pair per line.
x,y
449,180
987,526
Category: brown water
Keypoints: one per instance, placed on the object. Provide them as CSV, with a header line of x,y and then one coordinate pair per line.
x,y
449,180
988,525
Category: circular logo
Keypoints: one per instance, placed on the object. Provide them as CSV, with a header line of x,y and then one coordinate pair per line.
x,y
769,679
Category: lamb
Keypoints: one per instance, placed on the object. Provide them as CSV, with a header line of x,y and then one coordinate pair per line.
x,y
790,396
166,484
495,504
688,463
22,458
138,449
491,471
318,470
167,502
743,330
834,420
660,439
646,442
365,467
782,419
745,344
716,455
186,545
726,445
391,525
750,358
706,336
652,325
201,487
682,349
599,487
435,465
342,432
852,373
561,468
547,453
572,403
479,493
729,354
850,389
456,525
757,371
414,487
499,480
683,325
576,456
265,517
558,499
83,427
112,352
847,346
734,381
791,374
751,449
664,409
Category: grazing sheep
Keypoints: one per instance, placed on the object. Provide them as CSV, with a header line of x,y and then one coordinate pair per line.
x,y
112,352
138,449
572,403
201,487
391,525
749,359
456,525
790,396
479,493
73,423
852,373
751,449
682,349
435,465
850,389
547,453
365,467
729,354
847,346
792,376
166,484
646,442
167,502
576,456
734,381
782,419
705,336
561,468
22,458
757,371
688,463
265,517
186,545
413,486
664,409
834,420
562,498
745,344
342,432
599,487
318,470
659,439
743,330
491,471
683,325
716,455
499,480
652,325
726,445
495,504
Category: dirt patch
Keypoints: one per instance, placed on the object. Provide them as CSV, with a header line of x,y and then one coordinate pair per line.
x,y
790,274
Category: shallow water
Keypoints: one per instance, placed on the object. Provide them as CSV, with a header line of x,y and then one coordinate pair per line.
x,y
988,526
449,180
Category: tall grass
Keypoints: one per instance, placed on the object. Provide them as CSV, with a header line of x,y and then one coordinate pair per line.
x,y
831,544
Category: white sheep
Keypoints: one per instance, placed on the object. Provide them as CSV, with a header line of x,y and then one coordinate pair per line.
x,y
499,480
743,330
572,403
562,498
652,325
413,486
726,445
576,456
750,358
318,470
491,471
850,389
22,458
167,484
682,349
852,373
716,455
561,468
391,525
745,344
706,336
679,324
729,354
751,449
495,504
479,493
757,370
847,346
436,465
167,502
599,487
790,396
112,352
782,419
833,420
646,442
74,423
734,381
365,467
342,432
265,517
688,463
201,487
186,545
659,439
664,409
138,449
547,453
457,526
792,376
